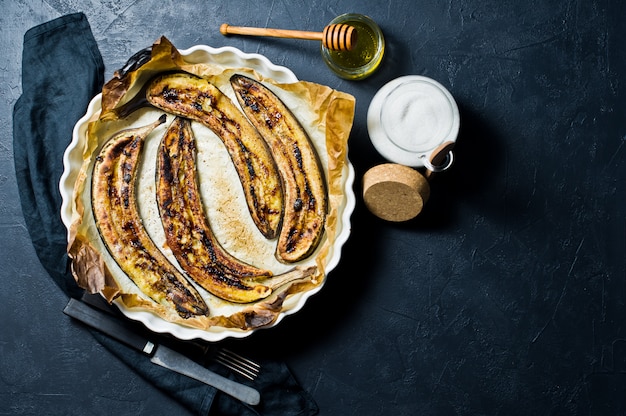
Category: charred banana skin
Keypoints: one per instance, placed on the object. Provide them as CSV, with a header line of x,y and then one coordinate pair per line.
x,y
120,226
196,98
187,229
306,200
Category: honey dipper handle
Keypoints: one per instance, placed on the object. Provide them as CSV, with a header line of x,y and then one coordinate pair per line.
x,y
339,37
226,29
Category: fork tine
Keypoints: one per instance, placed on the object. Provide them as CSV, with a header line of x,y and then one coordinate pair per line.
x,y
241,365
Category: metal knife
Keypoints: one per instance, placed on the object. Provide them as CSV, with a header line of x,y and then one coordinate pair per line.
x,y
160,354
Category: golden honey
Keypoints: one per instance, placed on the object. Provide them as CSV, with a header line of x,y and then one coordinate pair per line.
x,y
365,58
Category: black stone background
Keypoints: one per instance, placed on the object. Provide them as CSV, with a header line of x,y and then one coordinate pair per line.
x,y
505,297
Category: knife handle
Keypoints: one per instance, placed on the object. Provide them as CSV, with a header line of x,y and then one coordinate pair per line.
x,y
107,324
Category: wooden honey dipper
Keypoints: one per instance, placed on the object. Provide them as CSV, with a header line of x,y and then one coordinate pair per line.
x,y
338,37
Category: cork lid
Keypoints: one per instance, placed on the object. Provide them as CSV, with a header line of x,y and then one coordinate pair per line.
x,y
395,192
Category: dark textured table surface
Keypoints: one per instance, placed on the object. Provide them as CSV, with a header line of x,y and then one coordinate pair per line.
x,y
505,296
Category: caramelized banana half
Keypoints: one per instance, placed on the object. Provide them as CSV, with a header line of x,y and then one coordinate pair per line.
x,y
306,199
120,226
187,229
196,98
186,226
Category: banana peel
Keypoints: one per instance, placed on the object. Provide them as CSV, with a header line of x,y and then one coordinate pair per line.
x,y
306,199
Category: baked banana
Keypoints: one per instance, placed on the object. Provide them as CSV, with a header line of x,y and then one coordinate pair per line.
x,y
306,199
192,97
120,226
187,230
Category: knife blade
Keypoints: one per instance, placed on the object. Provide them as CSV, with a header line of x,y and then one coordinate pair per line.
x,y
159,354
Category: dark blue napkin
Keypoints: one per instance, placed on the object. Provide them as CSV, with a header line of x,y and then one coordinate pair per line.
x,y
62,69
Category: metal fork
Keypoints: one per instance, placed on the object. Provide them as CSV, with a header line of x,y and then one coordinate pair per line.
x,y
235,362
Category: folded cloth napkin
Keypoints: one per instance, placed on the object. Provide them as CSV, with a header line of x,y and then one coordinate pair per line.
x,y
62,69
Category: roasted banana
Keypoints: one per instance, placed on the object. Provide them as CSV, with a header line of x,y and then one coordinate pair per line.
x,y
120,226
196,98
187,229
306,199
